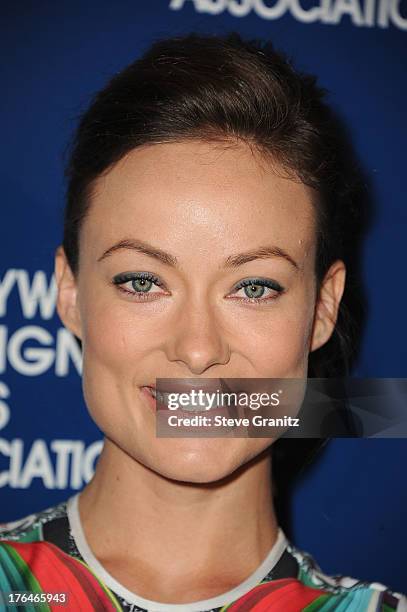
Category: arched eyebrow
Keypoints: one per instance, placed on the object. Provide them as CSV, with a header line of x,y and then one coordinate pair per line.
x,y
141,247
264,252
232,261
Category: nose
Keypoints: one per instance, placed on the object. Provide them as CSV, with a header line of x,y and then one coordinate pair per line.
x,y
197,339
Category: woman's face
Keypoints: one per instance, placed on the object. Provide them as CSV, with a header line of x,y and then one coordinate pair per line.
x,y
194,221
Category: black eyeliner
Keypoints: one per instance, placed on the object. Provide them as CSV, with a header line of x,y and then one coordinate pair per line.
x,y
265,282
129,276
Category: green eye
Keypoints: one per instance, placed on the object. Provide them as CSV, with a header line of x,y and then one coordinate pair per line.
x,y
258,290
254,290
142,284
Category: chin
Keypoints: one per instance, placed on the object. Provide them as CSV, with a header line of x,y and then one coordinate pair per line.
x,y
202,461
195,474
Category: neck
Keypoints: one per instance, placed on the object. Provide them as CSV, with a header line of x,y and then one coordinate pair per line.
x,y
144,516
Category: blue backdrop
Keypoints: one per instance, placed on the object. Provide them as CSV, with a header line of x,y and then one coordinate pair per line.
x,y
349,511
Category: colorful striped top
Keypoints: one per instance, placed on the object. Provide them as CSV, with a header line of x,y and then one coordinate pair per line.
x,y
46,564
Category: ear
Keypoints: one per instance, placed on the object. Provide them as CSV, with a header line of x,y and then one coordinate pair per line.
x,y
327,305
67,302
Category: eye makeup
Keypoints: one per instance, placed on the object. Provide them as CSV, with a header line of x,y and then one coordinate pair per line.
x,y
142,283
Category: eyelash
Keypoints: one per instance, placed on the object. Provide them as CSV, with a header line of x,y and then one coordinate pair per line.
x,y
122,279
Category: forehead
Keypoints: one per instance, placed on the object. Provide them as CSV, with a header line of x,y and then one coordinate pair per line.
x,y
193,192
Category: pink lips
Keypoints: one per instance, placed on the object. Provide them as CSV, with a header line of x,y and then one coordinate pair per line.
x,y
155,404
150,399
185,385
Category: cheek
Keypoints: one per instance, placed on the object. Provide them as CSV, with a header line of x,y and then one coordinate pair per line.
x,y
114,336
114,345
277,342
